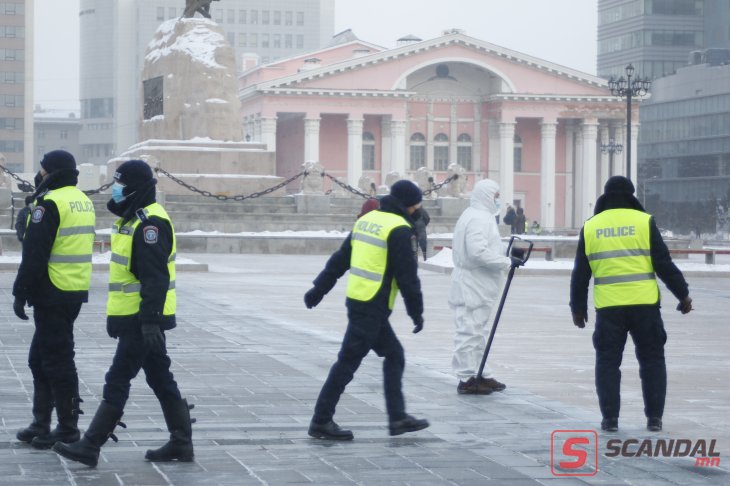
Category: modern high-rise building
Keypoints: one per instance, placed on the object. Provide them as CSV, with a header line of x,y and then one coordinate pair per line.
x,y
16,84
657,36
115,34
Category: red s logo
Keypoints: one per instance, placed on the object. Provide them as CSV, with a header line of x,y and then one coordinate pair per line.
x,y
580,454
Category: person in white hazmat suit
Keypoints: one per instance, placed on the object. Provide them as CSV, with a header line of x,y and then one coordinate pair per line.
x,y
480,267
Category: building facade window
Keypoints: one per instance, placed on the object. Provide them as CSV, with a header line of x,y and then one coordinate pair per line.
x,y
253,40
441,152
300,41
231,16
277,17
265,40
300,18
276,40
368,151
160,13
254,16
241,16
463,151
517,152
417,151
171,12
287,18
288,41
265,17
242,40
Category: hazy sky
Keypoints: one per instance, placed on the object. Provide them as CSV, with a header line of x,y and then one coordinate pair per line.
x,y
560,31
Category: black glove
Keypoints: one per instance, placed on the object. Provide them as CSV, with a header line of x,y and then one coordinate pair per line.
x,y
684,306
313,297
579,319
517,262
152,336
417,324
19,308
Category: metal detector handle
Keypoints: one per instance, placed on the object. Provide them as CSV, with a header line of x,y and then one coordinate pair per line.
x,y
522,254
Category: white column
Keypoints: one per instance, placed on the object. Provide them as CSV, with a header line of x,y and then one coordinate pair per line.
x,y
634,152
569,174
311,139
578,176
605,157
429,138
386,147
476,148
268,133
453,134
494,159
590,133
547,175
354,151
507,161
398,147
257,128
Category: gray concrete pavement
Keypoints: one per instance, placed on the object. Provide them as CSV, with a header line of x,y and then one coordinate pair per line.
x,y
252,359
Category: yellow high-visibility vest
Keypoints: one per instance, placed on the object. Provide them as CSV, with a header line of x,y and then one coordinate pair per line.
x,y
69,266
369,256
124,298
618,248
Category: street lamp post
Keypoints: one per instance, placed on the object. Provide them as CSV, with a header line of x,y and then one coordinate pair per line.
x,y
628,88
611,148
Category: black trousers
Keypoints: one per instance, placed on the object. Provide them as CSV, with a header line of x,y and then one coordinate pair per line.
x,y
51,355
645,325
364,332
131,356
423,243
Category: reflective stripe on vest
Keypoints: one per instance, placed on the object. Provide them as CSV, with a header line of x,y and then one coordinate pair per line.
x,y
369,256
618,248
124,288
69,265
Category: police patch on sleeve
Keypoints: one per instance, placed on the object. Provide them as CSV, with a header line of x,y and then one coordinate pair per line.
x,y
38,214
151,234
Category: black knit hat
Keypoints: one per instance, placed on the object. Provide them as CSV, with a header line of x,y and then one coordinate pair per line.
x,y
133,174
58,160
618,184
406,192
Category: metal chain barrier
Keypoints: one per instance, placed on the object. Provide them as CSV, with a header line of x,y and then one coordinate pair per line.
x,y
25,186
222,197
436,187
347,187
100,189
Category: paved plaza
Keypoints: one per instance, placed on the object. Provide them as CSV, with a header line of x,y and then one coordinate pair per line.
x,y
252,359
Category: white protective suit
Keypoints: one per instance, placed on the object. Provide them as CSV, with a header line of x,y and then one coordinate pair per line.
x,y
480,266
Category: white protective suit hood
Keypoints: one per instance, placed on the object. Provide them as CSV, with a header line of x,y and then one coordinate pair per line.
x,y
482,197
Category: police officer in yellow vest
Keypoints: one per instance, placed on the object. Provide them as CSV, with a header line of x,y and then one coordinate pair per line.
x,y
380,254
140,307
54,278
621,247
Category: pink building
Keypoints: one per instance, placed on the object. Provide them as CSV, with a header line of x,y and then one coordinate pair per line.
x,y
533,126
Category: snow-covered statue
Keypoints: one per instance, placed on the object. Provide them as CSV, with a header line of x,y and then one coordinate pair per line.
x,y
391,178
424,180
313,182
366,184
200,6
456,188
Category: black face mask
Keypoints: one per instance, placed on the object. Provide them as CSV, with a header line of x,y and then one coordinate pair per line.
x,y
37,179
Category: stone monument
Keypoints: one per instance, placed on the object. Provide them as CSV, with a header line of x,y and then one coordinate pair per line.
x,y
191,118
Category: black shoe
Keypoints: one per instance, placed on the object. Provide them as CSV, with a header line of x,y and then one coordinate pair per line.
x,y
654,424
609,424
408,424
179,424
329,431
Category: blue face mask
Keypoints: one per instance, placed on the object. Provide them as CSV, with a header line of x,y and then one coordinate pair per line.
x,y
117,190
497,204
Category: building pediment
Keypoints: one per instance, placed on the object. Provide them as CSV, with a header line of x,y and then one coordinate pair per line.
x,y
454,64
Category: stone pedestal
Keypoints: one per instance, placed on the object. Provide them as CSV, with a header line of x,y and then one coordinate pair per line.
x,y
312,203
452,206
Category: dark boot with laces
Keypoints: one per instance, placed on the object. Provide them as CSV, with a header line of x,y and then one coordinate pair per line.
x,y
407,424
329,431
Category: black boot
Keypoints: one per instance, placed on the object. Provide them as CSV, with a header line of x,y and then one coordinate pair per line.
x,y
67,410
180,445
42,410
86,450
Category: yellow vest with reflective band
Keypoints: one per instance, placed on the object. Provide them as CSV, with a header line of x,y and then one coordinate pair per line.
x,y
69,266
618,247
124,298
369,256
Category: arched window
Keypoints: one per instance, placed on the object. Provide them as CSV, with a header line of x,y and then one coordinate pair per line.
x,y
441,152
418,151
463,151
518,153
368,151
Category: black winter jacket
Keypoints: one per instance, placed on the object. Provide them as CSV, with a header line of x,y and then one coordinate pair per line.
x,y
32,282
661,260
149,265
402,264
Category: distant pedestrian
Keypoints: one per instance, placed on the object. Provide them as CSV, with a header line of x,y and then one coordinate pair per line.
x,y
520,222
420,221
509,218
369,205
